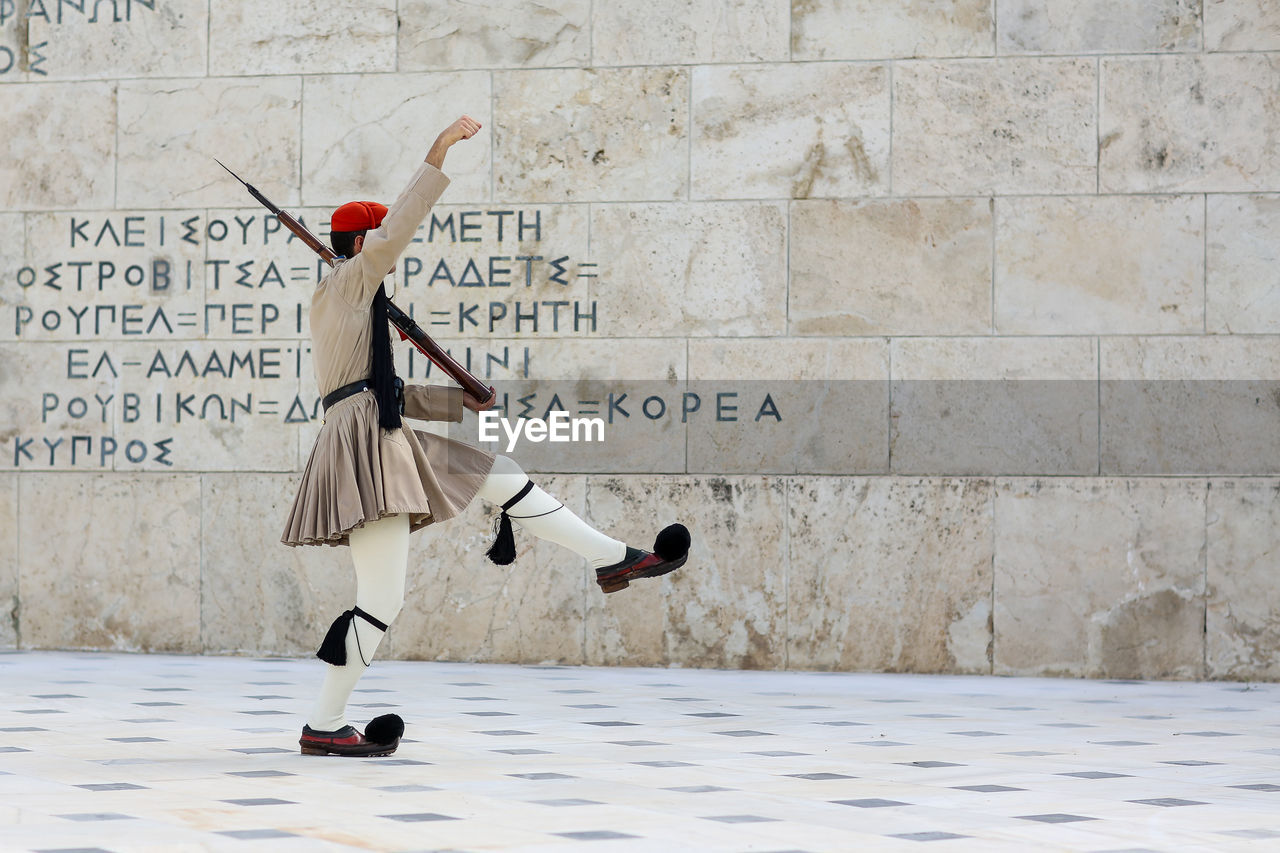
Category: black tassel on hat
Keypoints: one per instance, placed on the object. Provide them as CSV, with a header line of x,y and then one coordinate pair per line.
x,y
503,549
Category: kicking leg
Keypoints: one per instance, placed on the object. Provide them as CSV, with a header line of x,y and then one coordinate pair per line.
x,y
616,563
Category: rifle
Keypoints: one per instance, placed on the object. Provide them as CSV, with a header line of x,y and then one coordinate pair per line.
x,y
409,330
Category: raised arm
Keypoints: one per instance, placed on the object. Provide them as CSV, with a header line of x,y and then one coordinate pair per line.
x,y
384,244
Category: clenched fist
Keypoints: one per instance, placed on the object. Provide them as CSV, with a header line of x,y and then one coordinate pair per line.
x,y
464,128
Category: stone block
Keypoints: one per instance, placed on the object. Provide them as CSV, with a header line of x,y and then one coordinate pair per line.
x,y
212,405
1242,629
10,606
1190,124
258,278
771,405
63,155
248,123
688,32
1241,25
1008,126
591,135
889,574
990,406
493,34
338,37
930,272
488,271
96,277
1093,26
366,134
53,422
1099,265
119,38
251,124
460,606
1100,578
1242,269
883,29
257,595
668,265
116,565
754,138
727,607
1204,405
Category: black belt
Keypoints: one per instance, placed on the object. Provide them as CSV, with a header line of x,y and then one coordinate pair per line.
x,y
344,392
355,388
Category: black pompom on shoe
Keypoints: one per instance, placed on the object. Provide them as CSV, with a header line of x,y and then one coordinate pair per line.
x,y
386,730
672,543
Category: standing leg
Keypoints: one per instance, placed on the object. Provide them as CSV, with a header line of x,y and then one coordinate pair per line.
x,y
380,552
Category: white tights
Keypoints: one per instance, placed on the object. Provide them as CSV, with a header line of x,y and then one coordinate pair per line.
x,y
380,552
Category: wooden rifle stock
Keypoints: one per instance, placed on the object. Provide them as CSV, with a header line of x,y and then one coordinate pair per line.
x,y
409,330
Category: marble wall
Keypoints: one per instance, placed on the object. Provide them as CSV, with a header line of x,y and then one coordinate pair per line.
x,y
952,330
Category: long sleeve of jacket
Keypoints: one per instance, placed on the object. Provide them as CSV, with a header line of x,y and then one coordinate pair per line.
x,y
433,402
384,244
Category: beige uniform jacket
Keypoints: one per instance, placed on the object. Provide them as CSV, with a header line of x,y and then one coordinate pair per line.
x,y
357,471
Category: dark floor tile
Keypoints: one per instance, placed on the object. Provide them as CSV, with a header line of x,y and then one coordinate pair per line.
x,y
740,818
595,835
505,733
699,789
113,786
928,836
406,789
1096,774
870,803
1266,786
522,751
1169,802
137,739
608,723
638,743
745,733
664,763
978,734
929,764
1053,818
85,817
420,817
260,801
819,777
540,777
986,789
262,750
1194,763
259,774
567,801
255,834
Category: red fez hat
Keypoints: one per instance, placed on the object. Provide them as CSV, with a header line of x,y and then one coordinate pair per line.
x,y
357,216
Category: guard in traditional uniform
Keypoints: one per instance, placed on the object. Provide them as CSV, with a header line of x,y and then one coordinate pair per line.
x,y
371,480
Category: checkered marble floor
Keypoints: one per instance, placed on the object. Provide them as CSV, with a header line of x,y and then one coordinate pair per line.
x,y
151,752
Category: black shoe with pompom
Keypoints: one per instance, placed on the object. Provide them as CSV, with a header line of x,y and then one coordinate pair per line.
x,y
381,737
670,551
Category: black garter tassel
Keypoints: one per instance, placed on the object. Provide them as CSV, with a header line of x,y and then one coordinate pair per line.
x,y
503,550
334,648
